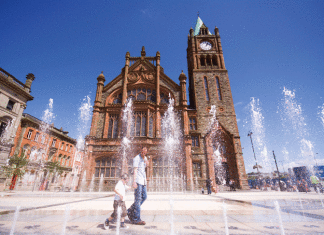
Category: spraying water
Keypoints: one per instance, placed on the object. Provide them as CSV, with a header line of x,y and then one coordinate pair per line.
x,y
225,218
258,130
279,217
12,231
295,127
171,135
321,114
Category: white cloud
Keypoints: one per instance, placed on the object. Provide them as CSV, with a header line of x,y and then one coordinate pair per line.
x,y
238,103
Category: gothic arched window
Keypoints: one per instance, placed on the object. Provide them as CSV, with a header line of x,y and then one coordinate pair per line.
x,y
218,89
113,126
206,88
208,60
214,61
118,99
202,61
164,98
140,124
142,94
151,120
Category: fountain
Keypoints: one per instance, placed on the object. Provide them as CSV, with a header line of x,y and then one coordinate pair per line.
x,y
279,217
171,135
225,218
12,231
66,217
101,182
92,183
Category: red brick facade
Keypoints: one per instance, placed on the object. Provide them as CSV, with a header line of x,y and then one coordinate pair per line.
x,y
143,80
41,148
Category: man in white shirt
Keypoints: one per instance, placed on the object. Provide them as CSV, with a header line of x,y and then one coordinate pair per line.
x,y
139,184
119,201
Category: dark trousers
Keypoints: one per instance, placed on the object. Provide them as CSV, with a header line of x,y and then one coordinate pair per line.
x,y
135,209
209,189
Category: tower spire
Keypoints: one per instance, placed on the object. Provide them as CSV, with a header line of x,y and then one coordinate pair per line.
x,y
200,24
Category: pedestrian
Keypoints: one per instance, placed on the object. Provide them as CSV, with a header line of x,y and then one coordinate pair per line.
x,y
232,186
119,201
139,184
208,185
202,190
315,182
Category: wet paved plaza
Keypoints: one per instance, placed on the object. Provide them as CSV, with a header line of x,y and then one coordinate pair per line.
x,y
242,212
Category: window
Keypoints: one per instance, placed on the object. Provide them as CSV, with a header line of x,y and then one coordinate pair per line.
x,y
202,61
70,149
214,61
62,145
30,132
218,89
195,141
196,168
43,139
206,88
33,153
36,136
118,99
10,105
151,123
164,98
107,167
140,124
208,60
192,124
54,142
162,167
142,94
3,126
113,126
66,147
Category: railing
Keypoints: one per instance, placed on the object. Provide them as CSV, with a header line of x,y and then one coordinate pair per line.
x,y
5,74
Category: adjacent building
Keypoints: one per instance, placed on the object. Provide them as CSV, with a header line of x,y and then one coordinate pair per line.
x,y
14,96
43,148
206,151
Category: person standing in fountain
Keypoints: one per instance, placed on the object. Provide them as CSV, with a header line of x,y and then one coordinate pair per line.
x,y
139,184
119,201
208,185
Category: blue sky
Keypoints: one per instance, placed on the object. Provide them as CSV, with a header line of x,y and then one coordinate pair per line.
x,y
268,45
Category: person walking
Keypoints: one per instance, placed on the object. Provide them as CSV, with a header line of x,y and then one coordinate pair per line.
x,y
119,201
139,184
315,182
208,185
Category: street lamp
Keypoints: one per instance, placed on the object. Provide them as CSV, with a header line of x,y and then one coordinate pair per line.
x,y
256,164
274,156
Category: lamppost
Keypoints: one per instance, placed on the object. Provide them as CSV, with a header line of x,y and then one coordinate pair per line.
x,y
256,164
274,156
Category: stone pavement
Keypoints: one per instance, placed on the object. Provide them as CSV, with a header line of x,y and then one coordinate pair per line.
x,y
242,212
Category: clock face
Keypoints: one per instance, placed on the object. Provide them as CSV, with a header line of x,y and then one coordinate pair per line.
x,y
206,45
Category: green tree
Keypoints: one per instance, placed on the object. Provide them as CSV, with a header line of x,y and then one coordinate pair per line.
x,y
55,167
16,168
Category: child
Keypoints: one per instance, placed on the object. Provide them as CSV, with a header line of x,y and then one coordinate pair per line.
x,y
120,191
202,190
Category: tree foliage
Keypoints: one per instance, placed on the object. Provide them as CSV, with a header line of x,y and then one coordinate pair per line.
x,y
55,167
17,166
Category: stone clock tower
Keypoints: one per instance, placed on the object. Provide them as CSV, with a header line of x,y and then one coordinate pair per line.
x,y
209,87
